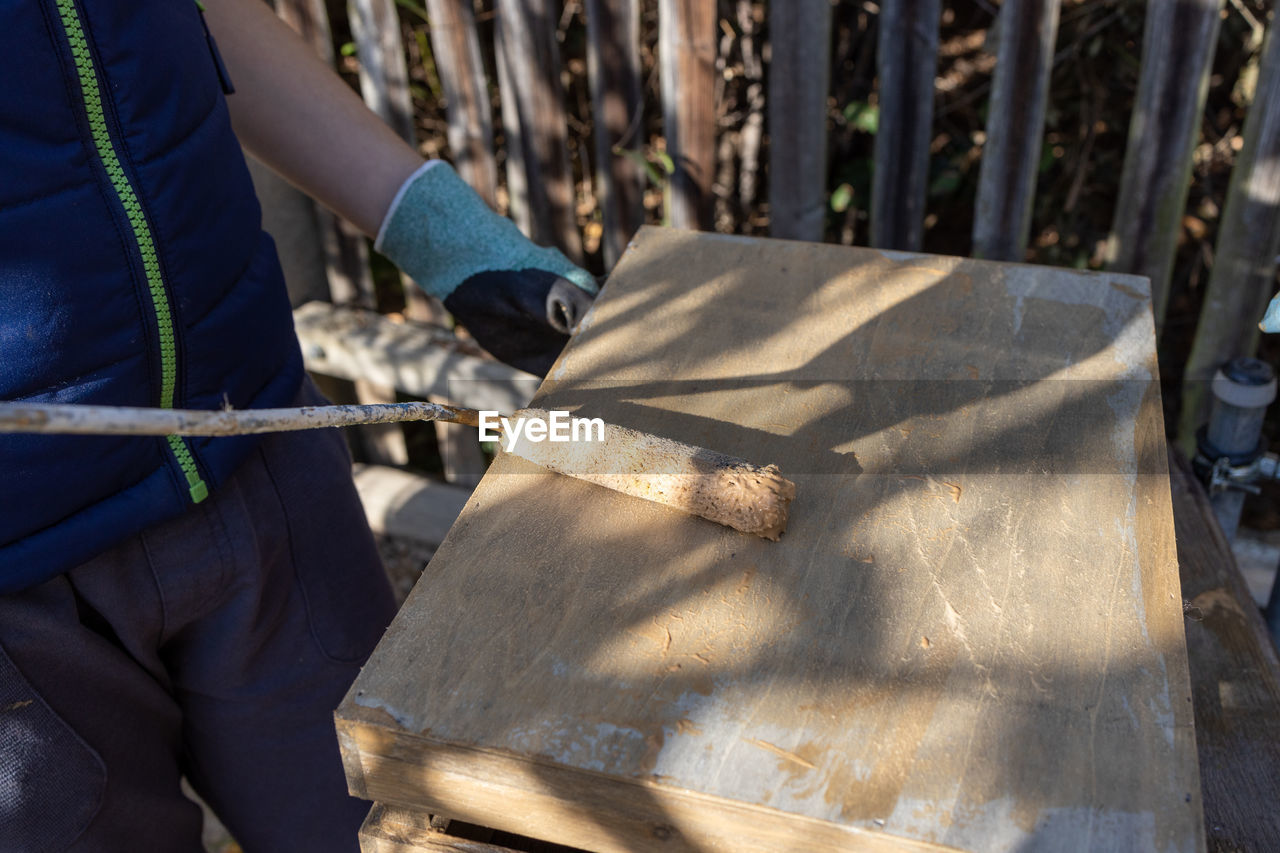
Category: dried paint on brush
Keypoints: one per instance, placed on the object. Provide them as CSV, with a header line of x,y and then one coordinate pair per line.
x,y
701,482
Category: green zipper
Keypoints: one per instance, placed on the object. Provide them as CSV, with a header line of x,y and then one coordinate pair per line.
x,y
91,93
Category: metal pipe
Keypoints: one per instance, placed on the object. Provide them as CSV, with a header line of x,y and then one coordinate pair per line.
x,y
1230,446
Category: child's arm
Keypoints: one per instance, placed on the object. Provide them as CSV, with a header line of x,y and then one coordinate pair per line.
x,y
520,301
297,116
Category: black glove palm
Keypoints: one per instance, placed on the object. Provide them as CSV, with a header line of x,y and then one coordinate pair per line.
x,y
524,317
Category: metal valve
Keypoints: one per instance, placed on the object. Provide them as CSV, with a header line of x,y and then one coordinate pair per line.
x,y
1230,451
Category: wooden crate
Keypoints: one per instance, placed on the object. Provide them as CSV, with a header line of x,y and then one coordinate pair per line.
x,y
970,636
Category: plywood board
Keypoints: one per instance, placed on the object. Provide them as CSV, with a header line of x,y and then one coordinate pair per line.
x,y
970,635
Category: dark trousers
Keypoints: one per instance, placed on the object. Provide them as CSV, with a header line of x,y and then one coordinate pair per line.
x,y
215,646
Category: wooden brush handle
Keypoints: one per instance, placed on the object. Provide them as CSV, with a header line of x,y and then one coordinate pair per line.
x,y
121,420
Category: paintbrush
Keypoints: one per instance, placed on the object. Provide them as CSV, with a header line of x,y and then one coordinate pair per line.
x,y
694,480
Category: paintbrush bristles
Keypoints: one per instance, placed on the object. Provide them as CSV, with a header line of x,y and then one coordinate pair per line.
x,y
701,482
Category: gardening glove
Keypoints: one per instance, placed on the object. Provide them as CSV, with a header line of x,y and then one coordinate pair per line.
x,y
1271,319
520,301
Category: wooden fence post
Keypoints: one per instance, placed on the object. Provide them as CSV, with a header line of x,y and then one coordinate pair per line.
x,y
800,36
457,52
906,60
534,121
289,216
687,56
384,82
1015,129
384,76
346,250
613,65
1244,266
1177,55
346,254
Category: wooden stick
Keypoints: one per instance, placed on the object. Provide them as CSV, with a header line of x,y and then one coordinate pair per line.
x,y
124,420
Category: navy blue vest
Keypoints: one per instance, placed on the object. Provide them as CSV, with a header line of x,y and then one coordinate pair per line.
x,y
133,268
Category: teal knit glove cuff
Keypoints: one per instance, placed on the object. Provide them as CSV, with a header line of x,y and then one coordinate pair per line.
x,y
441,233
1271,320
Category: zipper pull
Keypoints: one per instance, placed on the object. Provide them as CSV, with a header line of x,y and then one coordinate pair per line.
x,y
223,77
197,487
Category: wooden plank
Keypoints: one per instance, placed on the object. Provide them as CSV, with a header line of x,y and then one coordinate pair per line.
x,y
1015,129
354,344
534,121
571,808
388,829
971,634
1177,56
613,66
687,60
1244,266
906,56
408,506
1235,679
458,62
800,38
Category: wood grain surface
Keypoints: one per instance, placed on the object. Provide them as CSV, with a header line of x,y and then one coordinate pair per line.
x,y
970,635
1235,679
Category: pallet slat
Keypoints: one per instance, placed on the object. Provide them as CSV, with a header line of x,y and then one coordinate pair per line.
x,y
406,505
350,344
